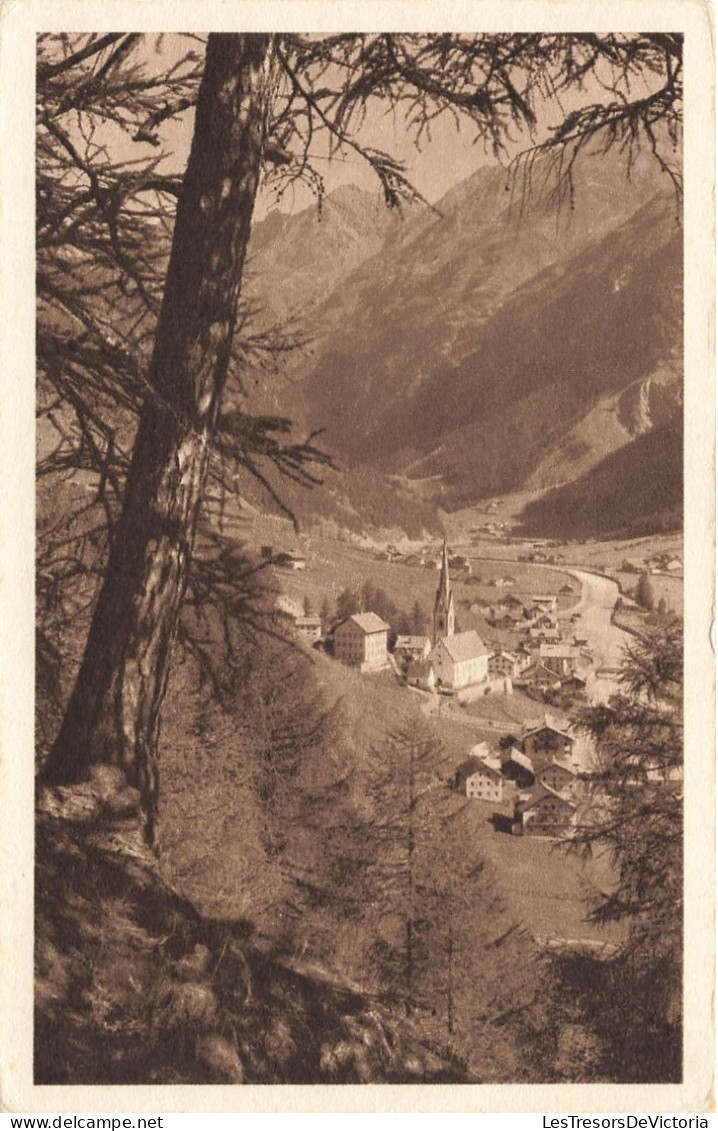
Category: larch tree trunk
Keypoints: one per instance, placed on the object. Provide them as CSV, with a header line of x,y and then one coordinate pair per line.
x,y
113,713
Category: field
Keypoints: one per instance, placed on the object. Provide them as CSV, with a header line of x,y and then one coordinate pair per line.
x,y
545,888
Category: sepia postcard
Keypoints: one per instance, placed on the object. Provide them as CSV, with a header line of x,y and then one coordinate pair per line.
x,y
357,557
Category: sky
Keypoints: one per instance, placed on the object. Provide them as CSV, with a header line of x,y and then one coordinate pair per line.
x,y
448,158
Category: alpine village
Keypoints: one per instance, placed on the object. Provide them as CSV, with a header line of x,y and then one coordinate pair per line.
x,y
359,628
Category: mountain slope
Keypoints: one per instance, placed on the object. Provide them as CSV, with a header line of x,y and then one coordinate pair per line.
x,y
636,490
491,345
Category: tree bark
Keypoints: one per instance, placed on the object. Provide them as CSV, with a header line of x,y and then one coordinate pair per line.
x,y
113,713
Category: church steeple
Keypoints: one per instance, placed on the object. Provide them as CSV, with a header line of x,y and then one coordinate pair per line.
x,y
444,618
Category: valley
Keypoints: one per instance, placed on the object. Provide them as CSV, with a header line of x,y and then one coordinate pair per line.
x,y
544,887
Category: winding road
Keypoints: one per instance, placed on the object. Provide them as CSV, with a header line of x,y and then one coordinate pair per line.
x,y
605,641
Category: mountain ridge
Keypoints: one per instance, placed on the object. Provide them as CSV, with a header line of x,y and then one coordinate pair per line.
x,y
489,344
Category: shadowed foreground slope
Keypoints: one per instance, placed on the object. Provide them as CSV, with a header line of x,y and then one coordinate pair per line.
x,y
134,986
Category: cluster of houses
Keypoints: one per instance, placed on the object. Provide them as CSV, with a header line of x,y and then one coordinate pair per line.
x,y
657,563
542,660
537,772
425,557
450,661
461,663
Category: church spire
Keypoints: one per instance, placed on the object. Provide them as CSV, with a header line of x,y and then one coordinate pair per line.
x,y
444,618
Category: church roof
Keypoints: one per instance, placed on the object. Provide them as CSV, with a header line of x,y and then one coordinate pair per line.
x,y
464,646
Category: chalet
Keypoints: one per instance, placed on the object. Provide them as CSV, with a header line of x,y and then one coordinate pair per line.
x,y
567,589
415,647
517,767
544,813
480,778
503,582
360,642
559,777
309,628
504,618
504,663
460,660
420,673
538,675
558,658
546,738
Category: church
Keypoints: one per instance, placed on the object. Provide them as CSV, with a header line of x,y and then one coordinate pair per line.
x,y
459,659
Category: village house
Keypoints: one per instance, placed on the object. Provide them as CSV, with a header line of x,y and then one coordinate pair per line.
x,y
539,676
361,642
558,776
544,813
309,628
546,738
460,660
414,647
567,589
480,778
504,663
420,673
504,618
558,658
503,582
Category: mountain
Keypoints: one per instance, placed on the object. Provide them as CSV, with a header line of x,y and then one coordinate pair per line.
x,y
492,344
296,261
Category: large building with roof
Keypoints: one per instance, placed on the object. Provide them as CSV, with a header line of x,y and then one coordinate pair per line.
x,y
460,660
361,642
